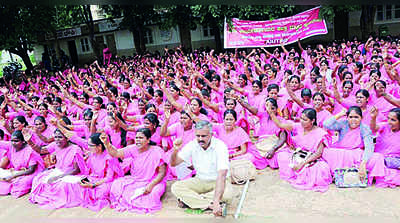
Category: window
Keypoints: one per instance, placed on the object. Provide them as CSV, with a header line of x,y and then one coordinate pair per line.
x,y
85,45
148,36
397,11
387,12
379,13
207,31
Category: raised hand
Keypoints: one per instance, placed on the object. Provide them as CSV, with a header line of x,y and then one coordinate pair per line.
x,y
178,143
104,138
167,114
95,115
2,121
373,112
334,82
343,112
53,121
187,109
27,134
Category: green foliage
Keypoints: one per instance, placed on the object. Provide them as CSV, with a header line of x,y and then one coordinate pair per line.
x,y
68,16
21,25
328,12
133,15
172,15
208,14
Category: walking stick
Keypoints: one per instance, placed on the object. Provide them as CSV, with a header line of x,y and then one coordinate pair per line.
x,y
246,186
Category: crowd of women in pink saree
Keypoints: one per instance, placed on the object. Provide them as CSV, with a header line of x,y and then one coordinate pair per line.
x,y
62,134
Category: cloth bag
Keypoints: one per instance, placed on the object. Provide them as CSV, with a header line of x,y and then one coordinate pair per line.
x,y
392,162
299,156
241,171
349,178
264,145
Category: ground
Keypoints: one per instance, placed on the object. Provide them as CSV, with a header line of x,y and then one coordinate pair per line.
x,y
269,198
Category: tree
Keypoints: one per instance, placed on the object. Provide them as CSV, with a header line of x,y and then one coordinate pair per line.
x,y
367,20
135,18
213,16
67,16
83,13
182,16
339,15
20,28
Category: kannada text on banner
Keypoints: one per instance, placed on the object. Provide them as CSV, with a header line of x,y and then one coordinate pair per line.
x,y
270,33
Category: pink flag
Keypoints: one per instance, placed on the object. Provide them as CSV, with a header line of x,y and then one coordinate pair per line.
x,y
246,33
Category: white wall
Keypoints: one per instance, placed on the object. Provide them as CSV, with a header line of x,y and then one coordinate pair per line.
x,y
161,37
123,40
38,50
198,35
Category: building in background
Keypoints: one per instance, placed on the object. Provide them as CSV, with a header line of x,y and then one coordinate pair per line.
x,y
75,41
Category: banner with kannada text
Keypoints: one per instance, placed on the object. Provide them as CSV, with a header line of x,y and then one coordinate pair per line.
x,y
246,33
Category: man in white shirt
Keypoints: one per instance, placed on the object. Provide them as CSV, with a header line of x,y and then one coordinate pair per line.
x,y
210,159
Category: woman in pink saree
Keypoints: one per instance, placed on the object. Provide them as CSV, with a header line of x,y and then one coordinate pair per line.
x,y
355,146
237,140
141,191
102,170
312,173
25,162
52,189
183,130
268,133
388,144
106,55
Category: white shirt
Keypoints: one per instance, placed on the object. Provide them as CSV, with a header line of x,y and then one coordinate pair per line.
x,y
207,162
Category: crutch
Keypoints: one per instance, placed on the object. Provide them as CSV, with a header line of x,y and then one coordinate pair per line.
x,y
246,186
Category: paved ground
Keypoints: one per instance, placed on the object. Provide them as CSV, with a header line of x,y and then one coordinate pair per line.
x,y
268,199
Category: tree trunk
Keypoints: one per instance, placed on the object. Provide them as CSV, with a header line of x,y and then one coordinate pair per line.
x,y
57,48
367,20
341,25
186,38
95,46
217,37
24,56
89,22
136,41
141,37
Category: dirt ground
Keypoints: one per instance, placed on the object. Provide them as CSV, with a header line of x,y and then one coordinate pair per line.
x,y
268,199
